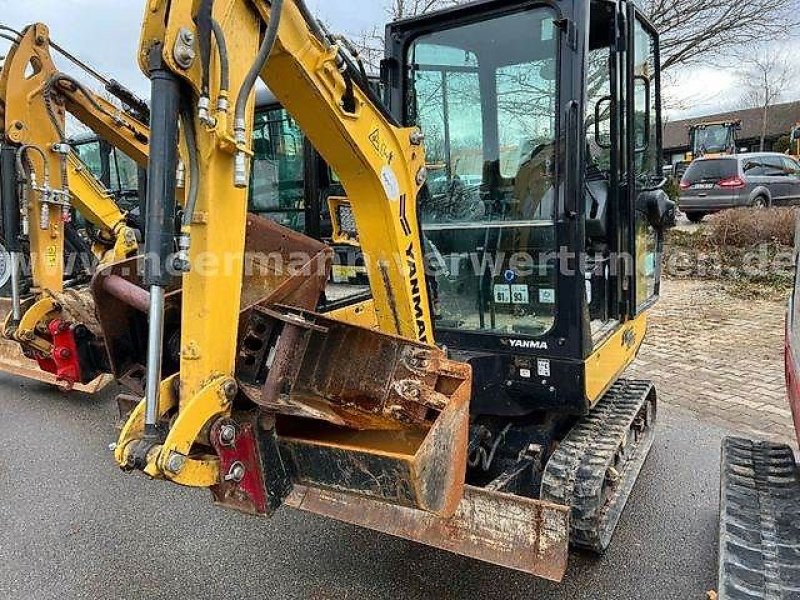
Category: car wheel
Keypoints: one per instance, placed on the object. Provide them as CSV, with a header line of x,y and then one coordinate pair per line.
x,y
695,217
759,202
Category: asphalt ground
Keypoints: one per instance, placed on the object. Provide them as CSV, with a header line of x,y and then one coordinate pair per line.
x,y
73,526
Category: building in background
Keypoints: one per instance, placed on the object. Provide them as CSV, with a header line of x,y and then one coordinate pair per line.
x,y
780,121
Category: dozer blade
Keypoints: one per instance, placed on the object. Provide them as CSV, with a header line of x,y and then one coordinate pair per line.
x,y
509,531
14,362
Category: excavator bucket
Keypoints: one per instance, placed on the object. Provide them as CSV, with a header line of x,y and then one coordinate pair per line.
x,y
14,362
360,411
353,409
280,266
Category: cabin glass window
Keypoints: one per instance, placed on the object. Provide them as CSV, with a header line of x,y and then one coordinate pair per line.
x,y
485,95
277,177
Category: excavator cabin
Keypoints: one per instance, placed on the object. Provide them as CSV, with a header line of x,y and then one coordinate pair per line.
x,y
543,216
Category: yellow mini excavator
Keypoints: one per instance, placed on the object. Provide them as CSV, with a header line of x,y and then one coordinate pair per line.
x,y
50,330
511,224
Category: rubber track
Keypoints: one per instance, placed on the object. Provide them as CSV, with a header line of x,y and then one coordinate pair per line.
x,y
759,528
576,473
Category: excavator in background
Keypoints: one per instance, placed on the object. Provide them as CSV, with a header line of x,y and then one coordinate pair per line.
x,y
709,139
759,525
717,138
474,400
49,326
282,182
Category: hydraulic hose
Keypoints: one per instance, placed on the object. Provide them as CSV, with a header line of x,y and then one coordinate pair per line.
x,y
240,121
313,24
224,61
11,225
63,77
21,157
203,23
189,134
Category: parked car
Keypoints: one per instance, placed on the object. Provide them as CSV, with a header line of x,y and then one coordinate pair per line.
x,y
757,180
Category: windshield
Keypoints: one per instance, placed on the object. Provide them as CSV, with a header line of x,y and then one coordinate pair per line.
x,y
485,96
122,172
277,186
711,170
712,139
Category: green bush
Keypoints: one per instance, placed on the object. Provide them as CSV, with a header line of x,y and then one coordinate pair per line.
x,y
749,251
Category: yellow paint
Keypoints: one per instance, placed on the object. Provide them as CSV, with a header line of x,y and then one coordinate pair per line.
x,y
134,426
28,122
27,334
52,256
376,162
361,314
192,419
613,356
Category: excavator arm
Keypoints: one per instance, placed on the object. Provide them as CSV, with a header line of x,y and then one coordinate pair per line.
x,y
381,165
35,98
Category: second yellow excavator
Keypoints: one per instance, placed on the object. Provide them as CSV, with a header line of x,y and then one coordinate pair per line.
x,y
50,328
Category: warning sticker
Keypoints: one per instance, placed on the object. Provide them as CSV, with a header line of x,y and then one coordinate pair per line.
x,y
543,367
502,294
390,183
520,295
52,256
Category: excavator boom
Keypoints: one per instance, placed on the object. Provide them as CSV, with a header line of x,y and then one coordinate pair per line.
x,y
54,324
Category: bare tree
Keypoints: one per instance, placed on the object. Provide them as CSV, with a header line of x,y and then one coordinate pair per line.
x,y
692,31
370,42
400,9
702,31
767,73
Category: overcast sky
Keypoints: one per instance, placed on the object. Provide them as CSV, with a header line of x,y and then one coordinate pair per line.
x,y
105,33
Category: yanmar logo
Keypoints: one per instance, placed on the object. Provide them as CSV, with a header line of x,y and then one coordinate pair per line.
x,y
416,294
526,344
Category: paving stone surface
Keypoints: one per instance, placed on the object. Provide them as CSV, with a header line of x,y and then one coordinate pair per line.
x,y
720,357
